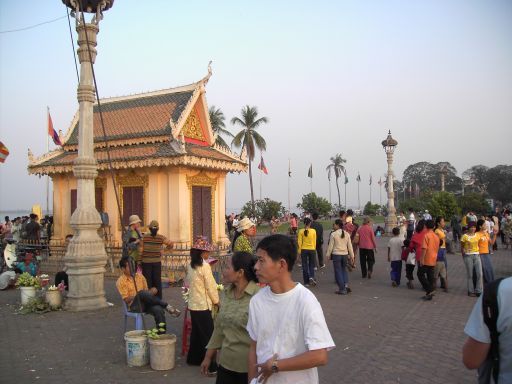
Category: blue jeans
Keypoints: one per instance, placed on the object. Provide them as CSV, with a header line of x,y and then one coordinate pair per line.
x,y
308,264
340,271
396,271
473,261
487,270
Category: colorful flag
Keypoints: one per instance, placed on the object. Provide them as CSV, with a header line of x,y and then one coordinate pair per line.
x,y
53,134
370,179
262,166
358,179
4,152
310,172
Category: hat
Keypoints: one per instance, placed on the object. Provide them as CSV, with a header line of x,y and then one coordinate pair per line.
x,y
211,260
426,210
154,224
202,244
134,219
244,224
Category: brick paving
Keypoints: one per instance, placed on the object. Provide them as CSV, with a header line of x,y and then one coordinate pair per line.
x,y
382,335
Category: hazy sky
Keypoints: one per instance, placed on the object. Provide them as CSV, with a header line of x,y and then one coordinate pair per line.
x,y
331,76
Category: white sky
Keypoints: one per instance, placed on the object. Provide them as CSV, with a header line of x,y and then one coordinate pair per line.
x,y
332,77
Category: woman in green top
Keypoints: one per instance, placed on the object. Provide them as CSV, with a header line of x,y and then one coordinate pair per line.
x,y
245,229
230,335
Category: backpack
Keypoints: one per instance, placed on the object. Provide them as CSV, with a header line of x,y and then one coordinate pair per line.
x,y
491,366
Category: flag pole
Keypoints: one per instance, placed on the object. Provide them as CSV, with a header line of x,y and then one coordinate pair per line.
x,y
261,178
358,198
47,176
289,177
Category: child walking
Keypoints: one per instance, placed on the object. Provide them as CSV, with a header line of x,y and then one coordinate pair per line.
x,y
410,262
395,257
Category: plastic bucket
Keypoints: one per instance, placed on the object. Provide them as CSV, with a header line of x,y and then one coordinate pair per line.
x,y
137,353
27,294
54,298
162,352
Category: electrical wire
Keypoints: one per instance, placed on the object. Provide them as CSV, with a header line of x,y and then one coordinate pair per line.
x,y
32,26
72,44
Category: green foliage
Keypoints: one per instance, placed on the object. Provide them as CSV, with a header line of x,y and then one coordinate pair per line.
x,y
36,305
313,203
473,202
371,209
338,168
217,121
443,204
27,280
263,210
499,183
418,205
428,177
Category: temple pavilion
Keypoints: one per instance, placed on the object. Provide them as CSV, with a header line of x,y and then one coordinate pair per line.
x,y
164,161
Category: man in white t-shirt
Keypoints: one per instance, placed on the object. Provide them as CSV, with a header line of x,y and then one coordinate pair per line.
x,y
478,343
289,336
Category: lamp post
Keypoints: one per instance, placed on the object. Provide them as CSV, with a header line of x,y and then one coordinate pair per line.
x,y
86,257
389,146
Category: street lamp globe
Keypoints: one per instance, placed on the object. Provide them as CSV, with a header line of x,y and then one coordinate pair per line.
x,y
389,146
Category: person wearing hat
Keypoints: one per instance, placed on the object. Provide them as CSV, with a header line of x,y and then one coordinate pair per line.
x,y
245,230
134,235
150,256
203,298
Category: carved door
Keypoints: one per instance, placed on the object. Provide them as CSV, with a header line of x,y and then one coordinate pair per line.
x,y
202,212
133,203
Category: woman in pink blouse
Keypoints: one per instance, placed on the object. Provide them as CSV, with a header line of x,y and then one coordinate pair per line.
x,y
367,247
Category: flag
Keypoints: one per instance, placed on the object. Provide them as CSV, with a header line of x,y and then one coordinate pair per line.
x,y
370,179
4,152
289,168
53,134
310,172
262,166
358,179
380,181
346,178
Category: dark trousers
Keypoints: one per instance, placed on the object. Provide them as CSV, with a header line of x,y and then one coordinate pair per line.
x,y
153,274
409,271
225,376
426,278
202,329
396,271
320,254
367,259
340,271
308,264
410,232
144,301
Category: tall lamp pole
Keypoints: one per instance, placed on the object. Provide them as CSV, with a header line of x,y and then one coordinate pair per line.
x,y
389,146
86,256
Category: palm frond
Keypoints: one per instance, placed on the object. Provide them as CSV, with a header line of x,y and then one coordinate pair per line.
x,y
238,140
259,141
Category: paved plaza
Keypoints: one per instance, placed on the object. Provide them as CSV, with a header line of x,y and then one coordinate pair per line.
x,y
382,335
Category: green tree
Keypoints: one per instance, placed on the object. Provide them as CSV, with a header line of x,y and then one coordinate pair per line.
x,y
443,204
263,209
428,177
499,183
313,203
473,202
371,209
217,121
248,138
337,167
418,205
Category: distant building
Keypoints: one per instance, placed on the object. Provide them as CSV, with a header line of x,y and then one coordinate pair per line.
x,y
166,165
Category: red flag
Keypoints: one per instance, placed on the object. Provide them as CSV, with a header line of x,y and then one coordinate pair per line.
x,y
4,152
53,134
262,166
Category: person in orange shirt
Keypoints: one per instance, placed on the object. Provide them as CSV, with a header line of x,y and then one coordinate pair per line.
x,y
428,260
484,244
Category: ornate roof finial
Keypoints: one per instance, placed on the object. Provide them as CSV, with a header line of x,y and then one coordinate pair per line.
x,y
30,156
207,77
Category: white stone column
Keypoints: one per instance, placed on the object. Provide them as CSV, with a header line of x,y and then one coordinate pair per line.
x,y
86,257
390,220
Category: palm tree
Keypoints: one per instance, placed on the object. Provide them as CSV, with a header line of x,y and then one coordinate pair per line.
x,y
217,121
248,138
338,168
